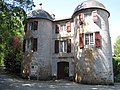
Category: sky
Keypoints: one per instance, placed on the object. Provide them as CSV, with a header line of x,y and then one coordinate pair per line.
x,y
65,8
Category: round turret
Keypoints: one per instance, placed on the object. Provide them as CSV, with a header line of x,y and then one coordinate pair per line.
x,y
40,13
89,4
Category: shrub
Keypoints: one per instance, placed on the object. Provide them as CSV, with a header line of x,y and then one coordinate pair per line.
x,y
116,68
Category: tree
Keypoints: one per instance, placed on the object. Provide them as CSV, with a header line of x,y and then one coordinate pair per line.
x,y
25,4
117,47
10,26
12,14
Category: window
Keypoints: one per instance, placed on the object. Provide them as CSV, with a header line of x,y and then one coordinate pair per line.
x,y
30,26
81,40
56,46
25,28
57,28
81,18
33,25
28,44
68,45
31,44
63,46
63,28
68,26
89,39
97,39
34,42
24,44
94,15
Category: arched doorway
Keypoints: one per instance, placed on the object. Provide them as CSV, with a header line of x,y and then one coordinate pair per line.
x,y
62,70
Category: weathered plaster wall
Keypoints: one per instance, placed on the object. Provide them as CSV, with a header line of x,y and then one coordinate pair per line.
x,y
93,65
43,55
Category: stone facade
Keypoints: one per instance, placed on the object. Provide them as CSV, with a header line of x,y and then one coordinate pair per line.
x,y
76,48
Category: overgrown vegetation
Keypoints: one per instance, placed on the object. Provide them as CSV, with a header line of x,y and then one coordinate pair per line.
x,y
116,60
12,14
116,68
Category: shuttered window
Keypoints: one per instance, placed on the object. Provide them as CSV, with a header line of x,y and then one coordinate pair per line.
x,y
97,39
94,15
56,46
63,46
68,45
81,40
57,28
34,42
24,45
30,25
89,40
35,25
68,26
81,18
25,28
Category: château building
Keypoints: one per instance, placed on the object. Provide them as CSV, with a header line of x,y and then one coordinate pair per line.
x,y
76,48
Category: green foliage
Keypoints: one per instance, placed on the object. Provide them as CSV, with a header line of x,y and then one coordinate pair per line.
x,y
118,78
117,47
116,68
11,26
25,4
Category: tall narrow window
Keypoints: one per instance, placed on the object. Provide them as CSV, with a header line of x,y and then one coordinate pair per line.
x,y
63,46
68,45
94,15
24,44
57,28
28,44
68,26
97,39
35,25
56,46
34,44
81,40
81,18
25,28
30,25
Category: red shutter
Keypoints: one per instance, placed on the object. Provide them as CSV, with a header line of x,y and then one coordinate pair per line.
x,y
34,42
24,45
56,46
81,18
68,25
97,39
35,25
68,45
25,28
57,28
81,40
95,17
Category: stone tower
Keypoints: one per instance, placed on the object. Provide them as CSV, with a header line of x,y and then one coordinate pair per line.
x,y
38,36
93,53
